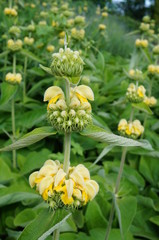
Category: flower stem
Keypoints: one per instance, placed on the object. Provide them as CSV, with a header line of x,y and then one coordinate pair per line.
x,y
56,234
13,115
24,77
13,132
67,139
123,157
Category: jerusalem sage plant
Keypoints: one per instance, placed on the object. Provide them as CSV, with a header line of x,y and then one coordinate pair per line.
x,y
62,186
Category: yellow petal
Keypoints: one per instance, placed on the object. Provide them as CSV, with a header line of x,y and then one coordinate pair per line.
x,y
85,92
53,163
45,183
91,189
83,171
66,200
48,192
32,178
52,92
77,178
81,98
69,186
48,170
59,177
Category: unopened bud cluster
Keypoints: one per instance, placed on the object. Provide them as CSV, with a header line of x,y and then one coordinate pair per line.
x,y
10,12
13,78
14,45
72,116
67,63
14,30
130,129
143,43
102,27
150,101
73,190
156,50
136,74
135,94
79,20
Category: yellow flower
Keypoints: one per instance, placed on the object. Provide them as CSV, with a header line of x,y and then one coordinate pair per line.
x,y
104,14
52,94
141,91
83,93
62,34
122,125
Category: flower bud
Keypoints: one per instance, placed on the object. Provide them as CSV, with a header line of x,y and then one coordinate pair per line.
x,y
135,94
67,63
14,45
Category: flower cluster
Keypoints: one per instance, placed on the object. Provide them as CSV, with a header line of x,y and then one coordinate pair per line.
x,y
153,69
13,78
14,45
79,20
150,101
104,14
136,74
135,94
28,41
72,116
156,50
73,190
67,63
130,129
102,27
141,43
77,34
50,48
144,27
15,30
10,12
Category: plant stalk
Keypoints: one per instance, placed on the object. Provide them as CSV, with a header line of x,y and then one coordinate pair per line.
x,y
56,234
123,157
13,131
24,77
13,116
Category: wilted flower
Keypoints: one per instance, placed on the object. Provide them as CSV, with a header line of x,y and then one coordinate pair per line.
x,y
73,191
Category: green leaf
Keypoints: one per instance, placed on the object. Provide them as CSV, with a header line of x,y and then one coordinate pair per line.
x,y
5,172
143,107
31,55
17,192
32,137
24,217
102,135
103,153
44,224
3,54
126,210
155,220
94,216
7,92
46,69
